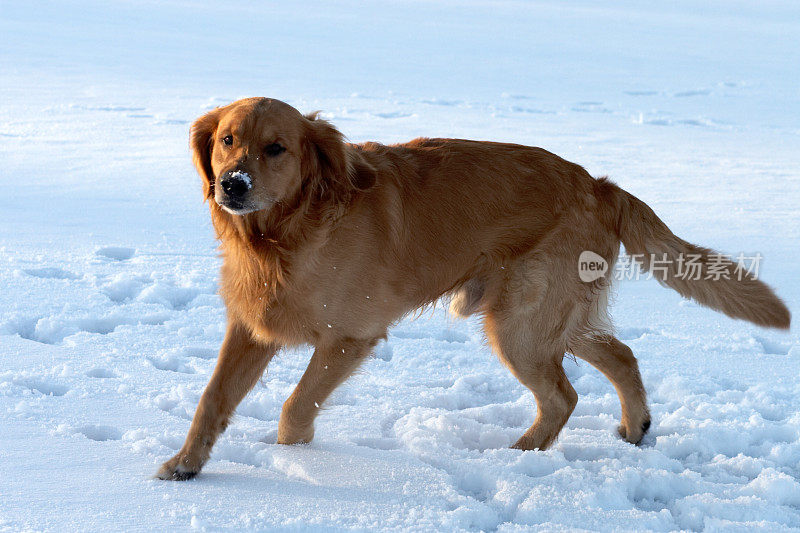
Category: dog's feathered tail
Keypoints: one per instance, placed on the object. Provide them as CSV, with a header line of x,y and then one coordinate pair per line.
x,y
721,284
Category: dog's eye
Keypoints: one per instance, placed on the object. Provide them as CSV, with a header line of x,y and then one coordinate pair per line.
x,y
274,149
228,140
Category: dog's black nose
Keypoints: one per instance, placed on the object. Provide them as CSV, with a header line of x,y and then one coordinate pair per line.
x,y
235,184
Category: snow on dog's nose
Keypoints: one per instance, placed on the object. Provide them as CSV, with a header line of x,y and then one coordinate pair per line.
x,y
234,193
236,184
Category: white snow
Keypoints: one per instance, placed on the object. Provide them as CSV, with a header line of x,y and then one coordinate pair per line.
x,y
110,322
243,176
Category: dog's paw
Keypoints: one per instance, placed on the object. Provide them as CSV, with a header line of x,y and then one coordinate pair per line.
x,y
295,435
634,435
179,468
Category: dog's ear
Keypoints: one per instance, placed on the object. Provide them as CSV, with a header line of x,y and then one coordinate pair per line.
x,y
201,141
328,163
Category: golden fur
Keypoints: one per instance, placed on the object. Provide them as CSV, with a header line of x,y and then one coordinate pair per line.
x,y
328,243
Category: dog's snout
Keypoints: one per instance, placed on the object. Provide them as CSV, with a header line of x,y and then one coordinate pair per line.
x,y
236,183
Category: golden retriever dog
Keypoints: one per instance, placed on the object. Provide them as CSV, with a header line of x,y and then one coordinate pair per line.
x,y
328,244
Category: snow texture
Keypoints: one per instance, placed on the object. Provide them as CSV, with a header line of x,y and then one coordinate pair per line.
x,y
110,320
242,176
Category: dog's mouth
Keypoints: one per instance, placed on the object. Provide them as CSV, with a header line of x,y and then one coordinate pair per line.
x,y
236,207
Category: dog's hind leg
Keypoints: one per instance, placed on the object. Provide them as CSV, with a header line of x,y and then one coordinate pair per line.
x,y
329,367
241,363
616,361
555,400
527,326
538,366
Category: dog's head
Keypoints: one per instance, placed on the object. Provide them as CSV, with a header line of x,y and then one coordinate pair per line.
x,y
258,152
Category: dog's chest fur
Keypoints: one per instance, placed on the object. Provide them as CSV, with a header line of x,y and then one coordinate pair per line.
x,y
256,290
294,300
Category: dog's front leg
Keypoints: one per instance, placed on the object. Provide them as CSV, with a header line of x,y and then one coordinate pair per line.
x,y
329,367
241,363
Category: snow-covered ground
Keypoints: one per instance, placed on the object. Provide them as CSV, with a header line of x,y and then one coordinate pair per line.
x,y
110,322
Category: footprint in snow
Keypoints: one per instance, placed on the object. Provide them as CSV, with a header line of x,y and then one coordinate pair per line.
x,y
695,122
102,373
115,253
100,433
50,273
442,102
124,287
685,94
170,296
54,329
171,363
773,347
394,114
42,387
530,110
175,407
